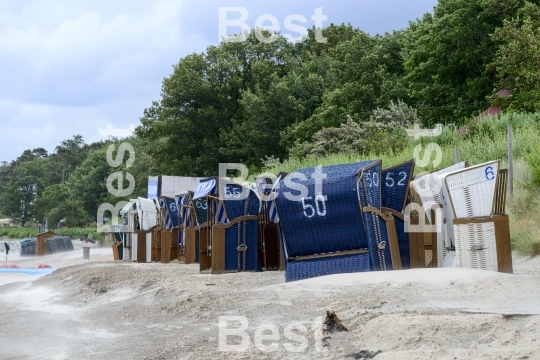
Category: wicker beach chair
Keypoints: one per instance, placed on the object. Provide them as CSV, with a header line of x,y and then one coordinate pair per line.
x,y
394,192
271,256
472,195
427,192
380,227
235,236
188,250
322,230
204,220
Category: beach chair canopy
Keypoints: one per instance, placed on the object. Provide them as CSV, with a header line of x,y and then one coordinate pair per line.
x,y
322,216
171,212
147,213
130,207
395,185
472,190
208,196
239,200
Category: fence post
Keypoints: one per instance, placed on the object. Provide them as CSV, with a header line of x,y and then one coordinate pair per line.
x,y
510,163
458,157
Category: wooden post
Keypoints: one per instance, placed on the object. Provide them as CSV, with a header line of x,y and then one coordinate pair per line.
x,y
457,155
510,163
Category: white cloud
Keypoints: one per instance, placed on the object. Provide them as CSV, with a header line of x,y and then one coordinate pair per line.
x,y
69,69
72,67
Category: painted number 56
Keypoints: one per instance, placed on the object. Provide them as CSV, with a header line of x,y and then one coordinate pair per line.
x,y
319,208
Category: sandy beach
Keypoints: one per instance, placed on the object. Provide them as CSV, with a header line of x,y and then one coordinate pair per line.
x,y
124,310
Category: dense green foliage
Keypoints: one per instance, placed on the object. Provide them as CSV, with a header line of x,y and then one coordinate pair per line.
x,y
69,184
244,102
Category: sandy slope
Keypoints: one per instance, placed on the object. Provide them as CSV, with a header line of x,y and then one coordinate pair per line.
x,y
125,310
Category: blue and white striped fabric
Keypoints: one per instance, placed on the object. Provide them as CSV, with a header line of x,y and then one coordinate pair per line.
x,y
170,209
207,187
161,203
178,201
171,215
219,211
272,210
186,213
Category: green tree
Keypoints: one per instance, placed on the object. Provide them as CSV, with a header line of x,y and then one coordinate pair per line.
x,y
365,73
200,101
448,58
518,60
19,197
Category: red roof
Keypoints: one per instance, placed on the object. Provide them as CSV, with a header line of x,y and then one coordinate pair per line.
x,y
492,111
504,93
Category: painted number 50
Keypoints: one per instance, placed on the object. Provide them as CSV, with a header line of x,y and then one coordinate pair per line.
x,y
310,210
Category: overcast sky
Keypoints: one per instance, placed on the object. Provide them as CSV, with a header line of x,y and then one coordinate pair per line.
x,y
72,67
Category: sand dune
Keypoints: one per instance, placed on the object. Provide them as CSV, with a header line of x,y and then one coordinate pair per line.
x,y
124,310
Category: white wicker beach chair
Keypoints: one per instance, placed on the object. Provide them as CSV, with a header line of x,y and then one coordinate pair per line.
x,y
147,213
429,189
472,193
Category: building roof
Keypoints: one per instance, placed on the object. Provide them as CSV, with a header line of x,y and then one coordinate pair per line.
x,y
503,93
492,111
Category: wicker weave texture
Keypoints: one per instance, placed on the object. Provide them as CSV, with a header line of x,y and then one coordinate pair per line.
x,y
450,259
395,183
403,241
479,236
369,191
324,222
28,247
305,269
242,233
472,190
201,210
241,207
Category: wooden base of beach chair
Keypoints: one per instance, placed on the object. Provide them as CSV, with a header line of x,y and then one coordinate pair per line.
x,y
116,252
141,247
181,254
498,234
190,248
272,248
169,250
416,246
205,248
156,245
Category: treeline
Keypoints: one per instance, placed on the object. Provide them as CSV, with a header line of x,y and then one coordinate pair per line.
x,y
70,183
243,102
255,102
